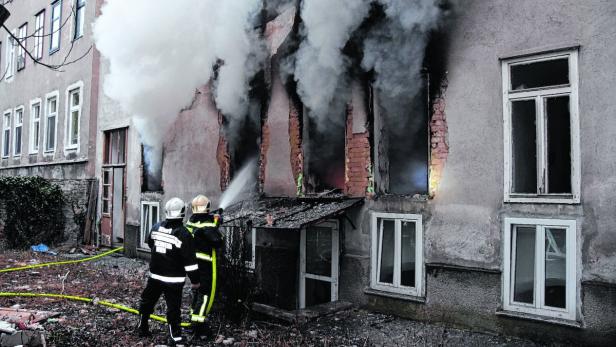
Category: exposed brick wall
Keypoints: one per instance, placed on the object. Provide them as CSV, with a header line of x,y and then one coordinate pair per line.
x,y
295,141
357,159
265,144
439,146
222,156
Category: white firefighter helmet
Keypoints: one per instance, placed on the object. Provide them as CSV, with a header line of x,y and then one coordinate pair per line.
x,y
201,204
175,208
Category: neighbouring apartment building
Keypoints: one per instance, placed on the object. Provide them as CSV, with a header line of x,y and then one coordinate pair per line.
x,y
49,116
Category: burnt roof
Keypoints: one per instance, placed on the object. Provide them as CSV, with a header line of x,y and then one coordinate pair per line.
x,y
286,213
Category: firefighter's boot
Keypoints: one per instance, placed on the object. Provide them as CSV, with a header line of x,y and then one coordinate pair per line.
x,y
143,329
175,335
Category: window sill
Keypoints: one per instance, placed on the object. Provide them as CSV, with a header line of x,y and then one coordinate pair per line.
x,y
544,319
544,199
52,51
417,299
142,249
77,38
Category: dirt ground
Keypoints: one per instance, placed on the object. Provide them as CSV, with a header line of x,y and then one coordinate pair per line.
x,y
119,279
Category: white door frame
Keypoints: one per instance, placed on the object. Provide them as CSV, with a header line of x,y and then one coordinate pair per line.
x,y
333,279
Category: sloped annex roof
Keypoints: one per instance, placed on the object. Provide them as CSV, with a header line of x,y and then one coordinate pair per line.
x,y
286,213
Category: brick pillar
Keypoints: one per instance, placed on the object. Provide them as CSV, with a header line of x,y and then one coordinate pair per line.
x,y
265,144
357,158
439,147
222,155
295,142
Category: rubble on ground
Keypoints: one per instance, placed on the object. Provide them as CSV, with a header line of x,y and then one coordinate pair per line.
x,y
120,280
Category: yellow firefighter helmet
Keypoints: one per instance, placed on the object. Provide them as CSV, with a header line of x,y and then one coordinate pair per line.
x,y
201,204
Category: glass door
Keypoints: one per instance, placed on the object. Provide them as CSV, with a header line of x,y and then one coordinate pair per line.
x,y
319,250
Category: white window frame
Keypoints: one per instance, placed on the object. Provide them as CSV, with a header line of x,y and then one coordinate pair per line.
x,y
539,95
58,30
68,125
418,290
9,64
15,126
54,94
39,33
6,127
79,19
35,146
538,308
22,34
143,231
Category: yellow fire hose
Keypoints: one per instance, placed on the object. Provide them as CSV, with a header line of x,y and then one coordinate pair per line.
x,y
73,297
84,299
62,262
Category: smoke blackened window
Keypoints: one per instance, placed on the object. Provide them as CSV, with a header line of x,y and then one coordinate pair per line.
x,y
150,181
323,146
402,141
243,133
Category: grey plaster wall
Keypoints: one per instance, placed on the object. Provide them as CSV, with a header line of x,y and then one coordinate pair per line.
x,y
35,81
463,223
468,208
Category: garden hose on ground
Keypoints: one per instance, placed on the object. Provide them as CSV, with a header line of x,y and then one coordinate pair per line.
x,y
73,297
62,262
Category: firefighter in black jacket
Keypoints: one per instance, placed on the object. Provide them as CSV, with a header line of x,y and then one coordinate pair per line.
x,y
172,258
204,227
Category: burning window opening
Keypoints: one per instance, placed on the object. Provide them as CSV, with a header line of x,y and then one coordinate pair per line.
x,y
244,139
402,138
324,155
150,181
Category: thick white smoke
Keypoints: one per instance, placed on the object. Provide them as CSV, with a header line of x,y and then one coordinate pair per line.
x,y
160,52
320,64
242,51
395,49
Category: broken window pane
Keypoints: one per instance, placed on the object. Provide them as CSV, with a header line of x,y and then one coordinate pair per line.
x,y
540,74
145,219
524,143
559,144
524,282
387,244
317,292
555,267
407,276
154,215
247,246
319,251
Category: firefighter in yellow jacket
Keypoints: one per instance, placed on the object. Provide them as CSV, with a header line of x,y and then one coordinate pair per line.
x,y
203,226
